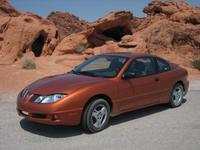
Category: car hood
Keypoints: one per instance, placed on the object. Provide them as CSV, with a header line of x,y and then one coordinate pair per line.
x,y
65,83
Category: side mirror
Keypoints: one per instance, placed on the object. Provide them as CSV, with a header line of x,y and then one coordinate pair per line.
x,y
128,75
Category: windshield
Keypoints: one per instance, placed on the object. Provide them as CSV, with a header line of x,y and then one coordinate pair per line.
x,y
101,66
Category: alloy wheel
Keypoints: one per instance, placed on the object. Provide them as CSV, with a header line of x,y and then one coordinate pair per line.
x,y
99,116
177,95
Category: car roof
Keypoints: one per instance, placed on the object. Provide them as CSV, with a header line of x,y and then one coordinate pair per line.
x,y
128,54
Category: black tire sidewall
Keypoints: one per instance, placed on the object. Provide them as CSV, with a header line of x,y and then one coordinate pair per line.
x,y
87,122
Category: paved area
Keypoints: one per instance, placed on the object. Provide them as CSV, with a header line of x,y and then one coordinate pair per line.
x,y
156,128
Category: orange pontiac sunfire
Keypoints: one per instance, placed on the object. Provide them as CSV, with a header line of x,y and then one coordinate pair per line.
x,y
103,86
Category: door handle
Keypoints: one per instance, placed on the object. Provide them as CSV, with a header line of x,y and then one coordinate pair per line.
x,y
157,79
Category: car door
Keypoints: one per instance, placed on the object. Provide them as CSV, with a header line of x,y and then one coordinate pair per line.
x,y
141,90
165,79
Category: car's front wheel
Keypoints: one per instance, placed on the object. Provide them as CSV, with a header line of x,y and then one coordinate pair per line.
x,y
96,115
177,95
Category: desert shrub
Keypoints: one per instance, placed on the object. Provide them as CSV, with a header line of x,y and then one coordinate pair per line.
x,y
196,64
29,64
80,48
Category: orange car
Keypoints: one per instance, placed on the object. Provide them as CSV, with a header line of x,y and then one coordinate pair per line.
x,y
103,86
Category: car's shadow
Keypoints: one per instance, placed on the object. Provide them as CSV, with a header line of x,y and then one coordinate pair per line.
x,y
69,131
50,131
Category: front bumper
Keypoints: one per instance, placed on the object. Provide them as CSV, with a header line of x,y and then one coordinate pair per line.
x,y
65,118
47,113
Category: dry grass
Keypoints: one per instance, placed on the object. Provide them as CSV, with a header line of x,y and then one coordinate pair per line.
x,y
29,64
196,64
80,48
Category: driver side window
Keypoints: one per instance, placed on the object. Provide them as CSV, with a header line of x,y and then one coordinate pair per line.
x,y
142,67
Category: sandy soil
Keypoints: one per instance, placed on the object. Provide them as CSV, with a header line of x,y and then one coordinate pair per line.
x,y
13,78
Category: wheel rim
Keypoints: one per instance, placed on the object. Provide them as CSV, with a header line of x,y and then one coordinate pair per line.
x,y
177,95
99,116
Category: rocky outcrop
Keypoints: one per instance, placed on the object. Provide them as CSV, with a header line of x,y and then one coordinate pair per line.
x,y
27,32
169,28
176,11
168,25
112,27
21,33
67,23
7,10
165,35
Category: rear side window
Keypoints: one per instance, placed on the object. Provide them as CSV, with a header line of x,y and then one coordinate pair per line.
x,y
162,65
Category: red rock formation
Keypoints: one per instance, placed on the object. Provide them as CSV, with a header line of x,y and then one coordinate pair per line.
x,y
168,26
112,27
175,11
27,32
171,29
67,23
22,33
7,10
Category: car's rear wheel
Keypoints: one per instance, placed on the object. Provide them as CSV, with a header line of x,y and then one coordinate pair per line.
x,y
177,95
96,116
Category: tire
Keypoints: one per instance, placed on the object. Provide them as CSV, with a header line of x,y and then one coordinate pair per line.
x,y
96,116
177,96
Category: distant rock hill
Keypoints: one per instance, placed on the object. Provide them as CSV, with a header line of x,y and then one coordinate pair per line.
x,y
170,29
67,23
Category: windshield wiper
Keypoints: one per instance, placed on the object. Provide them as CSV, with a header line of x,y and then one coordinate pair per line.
x,y
86,73
73,71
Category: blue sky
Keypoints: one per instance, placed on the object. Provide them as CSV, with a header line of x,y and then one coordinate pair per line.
x,y
89,10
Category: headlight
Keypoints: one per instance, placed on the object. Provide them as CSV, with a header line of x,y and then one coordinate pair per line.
x,y
49,99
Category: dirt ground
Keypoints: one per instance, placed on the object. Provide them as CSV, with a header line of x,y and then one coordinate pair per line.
x,y
13,78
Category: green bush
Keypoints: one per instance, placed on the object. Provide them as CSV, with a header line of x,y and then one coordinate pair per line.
x,y
196,64
29,64
80,48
